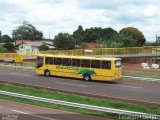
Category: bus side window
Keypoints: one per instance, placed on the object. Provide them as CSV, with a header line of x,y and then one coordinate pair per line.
x,y
85,63
106,65
76,62
66,62
95,63
49,60
58,61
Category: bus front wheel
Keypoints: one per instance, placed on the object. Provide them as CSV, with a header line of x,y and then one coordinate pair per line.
x,y
47,73
86,77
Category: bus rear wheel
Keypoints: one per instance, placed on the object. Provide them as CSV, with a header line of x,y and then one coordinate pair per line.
x,y
86,77
47,73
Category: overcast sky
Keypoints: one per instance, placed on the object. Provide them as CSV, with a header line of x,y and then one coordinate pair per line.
x,y
54,16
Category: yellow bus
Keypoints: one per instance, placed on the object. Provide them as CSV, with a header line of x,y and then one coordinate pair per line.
x,y
87,68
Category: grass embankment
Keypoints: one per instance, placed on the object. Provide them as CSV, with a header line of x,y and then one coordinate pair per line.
x,y
138,73
75,98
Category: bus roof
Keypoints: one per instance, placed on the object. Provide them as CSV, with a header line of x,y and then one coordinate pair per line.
x,y
79,57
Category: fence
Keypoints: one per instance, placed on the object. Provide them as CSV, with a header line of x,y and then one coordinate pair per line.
x,y
13,55
107,51
97,51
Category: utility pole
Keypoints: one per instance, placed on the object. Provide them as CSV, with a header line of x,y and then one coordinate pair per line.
x,y
157,42
49,35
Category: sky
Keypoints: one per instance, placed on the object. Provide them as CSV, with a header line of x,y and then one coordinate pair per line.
x,y
54,16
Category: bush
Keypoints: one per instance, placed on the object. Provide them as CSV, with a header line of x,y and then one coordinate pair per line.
x,y
43,47
83,46
8,46
2,48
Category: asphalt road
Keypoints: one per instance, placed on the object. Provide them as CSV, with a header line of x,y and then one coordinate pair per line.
x,y
124,90
19,111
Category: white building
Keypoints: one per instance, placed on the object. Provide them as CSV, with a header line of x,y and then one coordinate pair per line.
x,y
29,47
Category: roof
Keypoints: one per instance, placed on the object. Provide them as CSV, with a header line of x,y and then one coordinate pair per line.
x,y
20,41
33,43
79,57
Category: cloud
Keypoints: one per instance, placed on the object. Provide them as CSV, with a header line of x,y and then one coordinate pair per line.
x,y
113,4
54,16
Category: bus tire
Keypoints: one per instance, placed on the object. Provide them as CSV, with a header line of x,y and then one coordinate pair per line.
x,y
86,77
47,73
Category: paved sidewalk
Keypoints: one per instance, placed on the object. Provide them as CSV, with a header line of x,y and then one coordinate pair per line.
x,y
135,67
17,67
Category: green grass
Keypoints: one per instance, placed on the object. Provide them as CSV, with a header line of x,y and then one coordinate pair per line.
x,y
77,99
138,73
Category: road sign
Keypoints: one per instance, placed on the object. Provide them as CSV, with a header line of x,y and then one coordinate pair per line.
x,y
18,59
87,50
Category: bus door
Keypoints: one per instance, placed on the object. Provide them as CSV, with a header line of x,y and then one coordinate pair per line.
x,y
40,65
106,67
49,64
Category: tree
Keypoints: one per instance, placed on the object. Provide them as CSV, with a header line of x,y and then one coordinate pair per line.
x,y
122,40
108,33
136,34
117,41
27,31
7,38
1,39
43,47
8,46
79,35
64,41
92,34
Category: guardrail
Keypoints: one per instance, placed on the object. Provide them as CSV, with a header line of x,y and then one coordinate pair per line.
x,y
89,107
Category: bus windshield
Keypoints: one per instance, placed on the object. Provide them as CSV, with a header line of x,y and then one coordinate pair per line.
x,y
39,62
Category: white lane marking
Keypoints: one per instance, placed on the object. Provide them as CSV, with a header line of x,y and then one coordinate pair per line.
x,y
21,74
127,86
71,84
20,112
33,115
